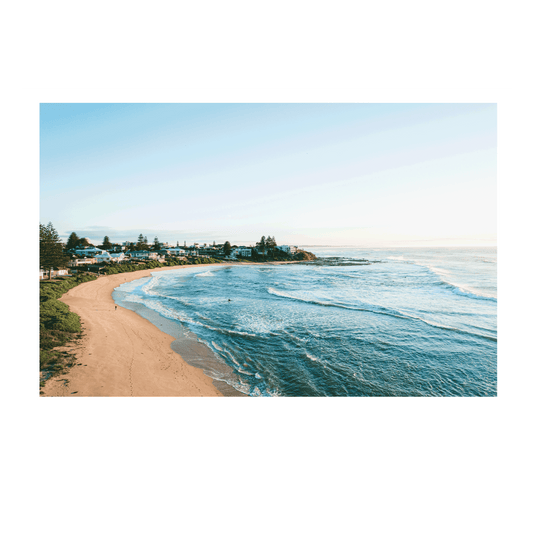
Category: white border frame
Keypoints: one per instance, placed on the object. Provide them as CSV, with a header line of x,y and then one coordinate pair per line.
x,y
31,405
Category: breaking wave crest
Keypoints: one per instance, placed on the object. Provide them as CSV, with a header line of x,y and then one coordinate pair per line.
x,y
377,310
444,279
204,274
467,291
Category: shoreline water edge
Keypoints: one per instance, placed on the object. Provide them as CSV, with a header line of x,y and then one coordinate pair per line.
x,y
129,350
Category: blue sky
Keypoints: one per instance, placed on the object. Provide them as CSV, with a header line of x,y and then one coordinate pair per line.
x,y
340,174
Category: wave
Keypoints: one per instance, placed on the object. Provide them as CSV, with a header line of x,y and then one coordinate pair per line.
x,y
436,270
135,285
259,325
341,262
456,288
238,384
148,286
309,356
380,311
175,298
443,274
461,290
157,306
204,274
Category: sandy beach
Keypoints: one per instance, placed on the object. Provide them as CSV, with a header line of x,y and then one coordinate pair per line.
x,y
121,353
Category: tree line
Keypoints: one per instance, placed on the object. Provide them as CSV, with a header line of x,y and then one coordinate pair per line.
x,y
267,244
74,242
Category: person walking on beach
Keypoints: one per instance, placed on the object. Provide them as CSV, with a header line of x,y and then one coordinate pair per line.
x,y
115,307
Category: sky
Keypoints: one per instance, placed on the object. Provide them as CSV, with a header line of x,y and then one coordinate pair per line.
x,y
308,174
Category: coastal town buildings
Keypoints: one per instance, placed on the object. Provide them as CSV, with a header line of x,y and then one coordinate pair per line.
x,y
241,251
288,249
91,257
53,273
89,251
81,261
110,257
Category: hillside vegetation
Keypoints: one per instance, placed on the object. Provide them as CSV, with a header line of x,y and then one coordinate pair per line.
x,y
132,267
57,325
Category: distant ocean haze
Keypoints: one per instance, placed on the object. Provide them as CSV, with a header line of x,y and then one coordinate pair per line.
x,y
356,322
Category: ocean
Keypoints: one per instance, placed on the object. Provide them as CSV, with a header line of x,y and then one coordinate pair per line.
x,y
355,322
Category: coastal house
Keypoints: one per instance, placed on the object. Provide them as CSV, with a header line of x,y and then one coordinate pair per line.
x,y
81,261
111,258
240,251
175,252
53,273
90,251
243,251
207,251
145,255
288,249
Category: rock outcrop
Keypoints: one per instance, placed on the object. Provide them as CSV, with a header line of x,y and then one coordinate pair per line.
x,y
302,255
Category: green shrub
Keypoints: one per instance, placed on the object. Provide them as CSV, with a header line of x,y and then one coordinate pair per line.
x,y
57,324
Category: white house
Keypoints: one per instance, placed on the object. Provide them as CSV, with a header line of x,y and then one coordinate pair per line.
x,y
88,252
175,251
243,251
104,256
288,249
112,258
84,261
53,273
144,255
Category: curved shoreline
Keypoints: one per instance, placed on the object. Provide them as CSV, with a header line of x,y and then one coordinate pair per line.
x,y
122,353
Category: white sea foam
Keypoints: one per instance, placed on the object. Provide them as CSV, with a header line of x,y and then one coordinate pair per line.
x,y
180,300
239,385
381,311
148,287
309,356
455,287
254,324
157,306
437,270
463,290
298,339
131,286
204,274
